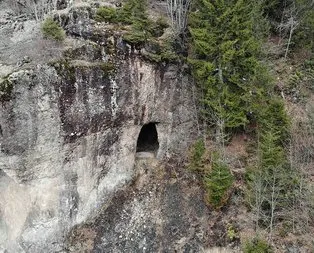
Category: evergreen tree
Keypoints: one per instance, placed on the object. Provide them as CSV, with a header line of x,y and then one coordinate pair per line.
x,y
134,13
272,117
304,36
218,182
224,57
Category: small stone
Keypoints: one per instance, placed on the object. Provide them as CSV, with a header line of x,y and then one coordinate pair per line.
x,y
26,59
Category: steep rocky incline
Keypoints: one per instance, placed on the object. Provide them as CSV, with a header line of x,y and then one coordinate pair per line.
x,y
70,117
161,211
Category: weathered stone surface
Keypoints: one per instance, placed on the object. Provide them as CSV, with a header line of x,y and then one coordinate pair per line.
x,y
161,211
68,173
69,143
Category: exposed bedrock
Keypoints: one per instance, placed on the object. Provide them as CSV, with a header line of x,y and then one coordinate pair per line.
x,y
69,129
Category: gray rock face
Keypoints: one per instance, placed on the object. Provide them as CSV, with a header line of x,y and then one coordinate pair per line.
x,y
161,211
68,145
69,176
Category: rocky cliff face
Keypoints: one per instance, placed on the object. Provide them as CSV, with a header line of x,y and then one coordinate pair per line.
x,y
69,123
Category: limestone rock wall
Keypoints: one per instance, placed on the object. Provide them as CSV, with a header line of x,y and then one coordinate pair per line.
x,y
69,124
68,142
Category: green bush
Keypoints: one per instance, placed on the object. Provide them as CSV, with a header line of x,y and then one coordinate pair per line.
x,y
218,183
231,232
257,246
140,31
52,30
168,55
107,67
132,11
107,14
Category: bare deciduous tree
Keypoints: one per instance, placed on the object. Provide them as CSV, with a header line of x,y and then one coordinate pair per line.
x,y
301,158
35,8
178,14
292,17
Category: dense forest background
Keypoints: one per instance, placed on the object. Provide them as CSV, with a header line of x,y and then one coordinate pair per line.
x,y
252,62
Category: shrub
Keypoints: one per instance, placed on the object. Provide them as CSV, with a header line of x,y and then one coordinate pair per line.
x,y
169,56
52,30
107,14
257,246
108,68
131,11
168,52
231,232
218,183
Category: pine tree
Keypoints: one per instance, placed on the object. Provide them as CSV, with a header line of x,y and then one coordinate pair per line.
x,y
224,58
134,13
272,117
218,182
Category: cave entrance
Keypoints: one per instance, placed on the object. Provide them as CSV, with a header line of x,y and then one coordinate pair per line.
x,y
148,139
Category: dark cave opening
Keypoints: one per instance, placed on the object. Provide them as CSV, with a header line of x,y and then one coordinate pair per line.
x,y
148,139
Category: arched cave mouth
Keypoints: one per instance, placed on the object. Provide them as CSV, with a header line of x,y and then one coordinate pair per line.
x,y
148,139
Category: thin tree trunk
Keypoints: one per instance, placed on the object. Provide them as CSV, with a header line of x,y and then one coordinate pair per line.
x,y
35,12
195,108
281,21
289,40
273,206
